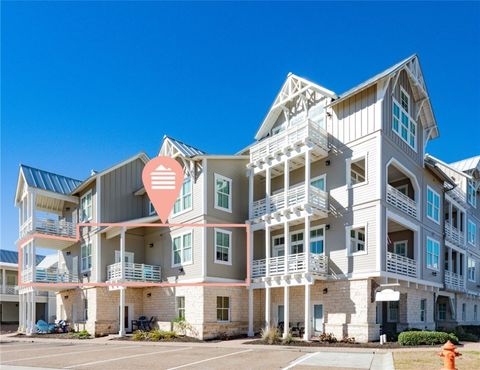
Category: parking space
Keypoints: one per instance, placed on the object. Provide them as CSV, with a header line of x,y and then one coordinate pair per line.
x,y
119,356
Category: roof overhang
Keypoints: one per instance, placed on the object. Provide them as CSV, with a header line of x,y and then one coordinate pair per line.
x,y
112,231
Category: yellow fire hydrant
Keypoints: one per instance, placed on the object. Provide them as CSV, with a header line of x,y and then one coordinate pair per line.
x,y
449,353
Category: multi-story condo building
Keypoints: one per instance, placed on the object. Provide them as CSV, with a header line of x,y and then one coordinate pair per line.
x,y
9,298
342,203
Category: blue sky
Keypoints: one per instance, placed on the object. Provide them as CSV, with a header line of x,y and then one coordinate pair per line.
x,y
85,85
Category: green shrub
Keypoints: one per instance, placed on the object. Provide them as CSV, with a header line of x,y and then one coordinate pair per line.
x,y
416,338
327,337
288,339
82,334
156,335
140,335
271,336
183,327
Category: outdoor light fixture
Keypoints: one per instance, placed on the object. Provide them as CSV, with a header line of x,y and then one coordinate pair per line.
x,y
69,253
149,295
151,245
66,297
180,269
434,273
327,162
327,227
325,290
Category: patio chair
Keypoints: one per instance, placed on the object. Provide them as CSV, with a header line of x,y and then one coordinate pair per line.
x,y
150,323
140,323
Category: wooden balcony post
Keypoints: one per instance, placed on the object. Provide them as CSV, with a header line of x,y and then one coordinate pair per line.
x,y
286,311
250,192
267,250
122,254
32,209
268,189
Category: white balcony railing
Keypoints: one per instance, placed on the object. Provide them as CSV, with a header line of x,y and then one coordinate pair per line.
x,y
296,196
296,263
47,226
134,272
454,235
399,200
50,275
454,281
8,289
294,135
401,265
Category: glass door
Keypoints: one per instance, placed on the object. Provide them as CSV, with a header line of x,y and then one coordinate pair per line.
x,y
317,319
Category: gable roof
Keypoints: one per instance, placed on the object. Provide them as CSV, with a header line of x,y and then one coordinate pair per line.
x,y
467,164
40,179
186,150
11,257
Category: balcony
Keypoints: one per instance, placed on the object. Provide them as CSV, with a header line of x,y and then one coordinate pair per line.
x,y
134,272
9,289
399,200
401,265
51,275
453,235
296,263
47,226
293,137
454,281
296,197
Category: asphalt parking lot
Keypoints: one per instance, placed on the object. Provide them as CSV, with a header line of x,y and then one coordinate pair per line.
x,y
23,356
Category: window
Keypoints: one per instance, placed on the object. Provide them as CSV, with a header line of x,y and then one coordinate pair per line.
x,y
85,309
471,269
400,248
471,194
223,246
433,252
442,311
402,124
464,312
86,256
151,209
181,307
472,232
223,193
433,205
184,200
319,182
317,240
278,246
223,308
403,189
182,250
423,310
357,171
392,309
296,243
357,239
475,312
86,207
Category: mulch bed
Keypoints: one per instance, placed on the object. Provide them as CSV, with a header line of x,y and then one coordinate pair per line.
x,y
373,345
52,336
182,339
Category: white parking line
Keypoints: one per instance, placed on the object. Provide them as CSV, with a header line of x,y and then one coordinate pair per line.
x,y
126,357
299,360
210,359
61,354
37,348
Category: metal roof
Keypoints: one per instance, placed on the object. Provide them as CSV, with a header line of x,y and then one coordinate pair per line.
x,y
185,149
40,179
467,164
12,257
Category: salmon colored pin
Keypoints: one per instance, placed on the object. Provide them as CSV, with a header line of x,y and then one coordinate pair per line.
x,y
163,179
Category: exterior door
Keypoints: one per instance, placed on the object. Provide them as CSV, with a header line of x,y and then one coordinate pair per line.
x,y
280,313
317,316
128,317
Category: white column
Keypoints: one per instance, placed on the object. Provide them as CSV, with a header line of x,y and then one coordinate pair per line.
x,y
306,335
267,250
268,308
4,281
250,193
34,310
306,240
122,253
450,260
32,209
121,331
286,180
286,233
286,311
250,312
458,262
33,260
268,189
20,308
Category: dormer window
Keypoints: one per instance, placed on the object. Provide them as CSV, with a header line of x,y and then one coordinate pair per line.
x,y
471,194
402,124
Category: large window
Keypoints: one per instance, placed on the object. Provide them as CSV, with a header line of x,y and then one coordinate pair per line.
x,y
317,240
86,207
400,248
223,309
296,243
433,205
442,311
182,250
402,124
423,310
184,200
433,253
223,246
471,194
471,269
86,256
357,240
392,311
472,232
357,171
181,307
223,193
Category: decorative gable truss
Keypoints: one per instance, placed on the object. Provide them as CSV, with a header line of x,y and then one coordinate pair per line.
x,y
185,154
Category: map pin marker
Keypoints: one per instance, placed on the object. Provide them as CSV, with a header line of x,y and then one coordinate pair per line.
x,y
163,179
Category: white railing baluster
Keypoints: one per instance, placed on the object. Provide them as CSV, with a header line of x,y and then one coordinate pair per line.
x,y
401,265
399,200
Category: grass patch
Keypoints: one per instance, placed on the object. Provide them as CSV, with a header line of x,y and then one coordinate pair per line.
x,y
414,360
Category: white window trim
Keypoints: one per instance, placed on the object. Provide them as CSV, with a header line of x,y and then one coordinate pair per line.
x,y
324,177
424,310
177,307
229,308
348,242
151,209
402,90
411,120
470,184
348,163
180,195
426,254
324,238
216,206
404,186
91,205
182,263
470,222
229,262
474,270
438,314
400,242
433,206
84,245
273,242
